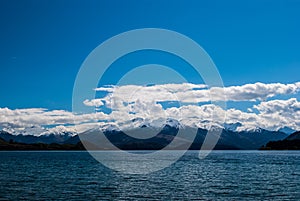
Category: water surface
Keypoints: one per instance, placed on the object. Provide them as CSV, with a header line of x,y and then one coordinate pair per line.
x,y
223,175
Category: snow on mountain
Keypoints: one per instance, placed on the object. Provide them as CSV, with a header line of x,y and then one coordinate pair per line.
x,y
135,123
33,130
109,127
232,126
40,131
59,130
173,123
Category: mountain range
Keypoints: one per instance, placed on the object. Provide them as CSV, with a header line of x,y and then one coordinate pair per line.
x,y
230,138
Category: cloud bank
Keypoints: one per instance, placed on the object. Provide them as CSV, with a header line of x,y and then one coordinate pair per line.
x,y
133,105
193,93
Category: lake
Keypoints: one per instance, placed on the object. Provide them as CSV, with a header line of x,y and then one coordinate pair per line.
x,y
223,175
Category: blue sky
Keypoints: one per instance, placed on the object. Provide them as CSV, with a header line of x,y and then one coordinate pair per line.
x,y
43,43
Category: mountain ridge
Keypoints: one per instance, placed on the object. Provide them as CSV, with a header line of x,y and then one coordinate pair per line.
x,y
229,139
292,142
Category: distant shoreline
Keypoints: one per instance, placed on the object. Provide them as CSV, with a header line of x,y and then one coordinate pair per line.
x,y
281,145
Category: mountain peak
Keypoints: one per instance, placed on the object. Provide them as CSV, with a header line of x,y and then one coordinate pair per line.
x,y
286,130
173,123
232,126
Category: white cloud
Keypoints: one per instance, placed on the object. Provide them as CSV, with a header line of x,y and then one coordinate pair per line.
x,y
93,102
260,91
280,112
193,93
132,101
169,87
36,117
142,103
290,106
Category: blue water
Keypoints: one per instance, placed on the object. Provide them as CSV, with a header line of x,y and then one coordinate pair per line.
x,y
223,175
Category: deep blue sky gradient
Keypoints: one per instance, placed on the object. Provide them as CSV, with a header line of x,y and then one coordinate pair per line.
x,y
43,43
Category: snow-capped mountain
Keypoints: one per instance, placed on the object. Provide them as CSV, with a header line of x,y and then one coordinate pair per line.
x,y
173,123
37,134
33,130
232,126
38,130
234,135
29,139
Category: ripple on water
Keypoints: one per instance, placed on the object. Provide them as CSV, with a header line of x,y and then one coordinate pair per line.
x,y
223,175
